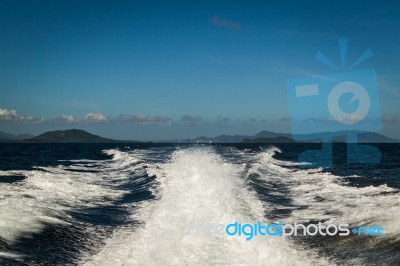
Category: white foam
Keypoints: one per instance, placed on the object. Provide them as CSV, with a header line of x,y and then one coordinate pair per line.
x,y
197,186
122,160
328,197
116,154
48,192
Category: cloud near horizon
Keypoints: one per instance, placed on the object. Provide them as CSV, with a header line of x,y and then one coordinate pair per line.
x,y
222,119
95,117
144,119
11,115
191,118
66,118
8,114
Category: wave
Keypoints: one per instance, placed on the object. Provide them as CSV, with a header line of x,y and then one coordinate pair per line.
x,y
47,195
315,195
329,198
197,187
185,191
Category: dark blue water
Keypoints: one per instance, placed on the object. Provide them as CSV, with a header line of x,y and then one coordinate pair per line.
x,y
62,202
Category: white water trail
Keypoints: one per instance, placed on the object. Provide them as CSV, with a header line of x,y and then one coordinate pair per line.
x,y
329,198
47,193
198,186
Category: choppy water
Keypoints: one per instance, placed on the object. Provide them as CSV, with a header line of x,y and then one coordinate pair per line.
x,y
107,204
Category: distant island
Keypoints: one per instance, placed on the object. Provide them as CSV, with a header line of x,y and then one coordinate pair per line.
x,y
7,137
263,137
269,140
71,136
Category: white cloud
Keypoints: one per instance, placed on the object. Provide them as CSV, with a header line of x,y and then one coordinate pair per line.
x,y
145,119
95,117
11,115
32,119
8,114
66,119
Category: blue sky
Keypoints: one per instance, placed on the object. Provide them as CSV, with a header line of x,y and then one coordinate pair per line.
x,y
151,70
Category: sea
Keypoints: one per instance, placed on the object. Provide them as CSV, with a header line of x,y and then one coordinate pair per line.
x,y
160,204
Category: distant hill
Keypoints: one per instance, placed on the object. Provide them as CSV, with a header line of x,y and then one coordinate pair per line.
x,y
81,136
71,136
340,136
269,140
273,137
369,137
7,137
232,138
269,134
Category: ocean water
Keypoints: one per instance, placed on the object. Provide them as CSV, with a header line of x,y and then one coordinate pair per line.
x,y
110,204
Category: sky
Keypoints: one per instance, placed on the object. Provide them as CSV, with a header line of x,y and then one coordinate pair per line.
x,y
157,70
